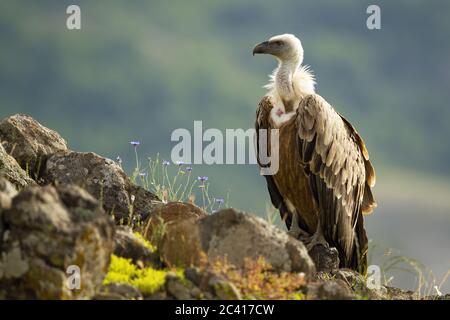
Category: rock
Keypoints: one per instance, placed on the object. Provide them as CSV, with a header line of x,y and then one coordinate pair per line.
x,y
329,290
29,142
180,244
118,291
10,169
238,235
50,233
210,285
179,289
7,192
356,282
129,246
439,297
168,214
174,211
399,294
158,295
144,204
235,235
224,289
335,290
325,259
103,179
194,275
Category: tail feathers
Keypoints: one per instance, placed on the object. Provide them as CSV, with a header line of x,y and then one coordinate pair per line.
x,y
359,256
369,203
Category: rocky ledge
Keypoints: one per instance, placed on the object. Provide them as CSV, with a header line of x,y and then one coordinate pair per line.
x,y
74,226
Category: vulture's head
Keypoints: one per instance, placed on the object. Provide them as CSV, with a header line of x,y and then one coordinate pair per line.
x,y
285,47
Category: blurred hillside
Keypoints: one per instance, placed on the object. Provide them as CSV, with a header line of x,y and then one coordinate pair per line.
x,y
138,70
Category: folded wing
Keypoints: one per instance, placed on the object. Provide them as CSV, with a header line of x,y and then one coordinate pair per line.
x,y
336,160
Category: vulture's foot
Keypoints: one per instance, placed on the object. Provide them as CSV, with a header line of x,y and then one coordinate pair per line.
x,y
295,231
298,233
316,239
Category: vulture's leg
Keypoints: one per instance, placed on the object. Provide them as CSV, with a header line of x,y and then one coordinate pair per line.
x,y
317,238
294,230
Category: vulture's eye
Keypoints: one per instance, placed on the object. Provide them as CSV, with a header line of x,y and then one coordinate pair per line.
x,y
279,43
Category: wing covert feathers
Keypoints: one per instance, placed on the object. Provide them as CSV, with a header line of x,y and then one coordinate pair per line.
x,y
340,174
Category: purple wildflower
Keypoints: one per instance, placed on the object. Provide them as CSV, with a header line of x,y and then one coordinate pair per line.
x,y
189,169
220,200
135,143
179,163
142,174
202,178
165,163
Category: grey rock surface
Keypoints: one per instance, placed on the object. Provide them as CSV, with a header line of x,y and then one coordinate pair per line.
x,y
49,234
237,236
29,142
10,170
102,178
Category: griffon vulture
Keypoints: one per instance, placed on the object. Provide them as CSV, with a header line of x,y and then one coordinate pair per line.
x,y
323,184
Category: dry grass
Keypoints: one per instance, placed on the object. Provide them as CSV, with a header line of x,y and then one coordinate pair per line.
x,y
427,285
257,280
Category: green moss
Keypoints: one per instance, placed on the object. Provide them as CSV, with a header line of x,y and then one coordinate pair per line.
x,y
121,270
147,243
297,296
147,280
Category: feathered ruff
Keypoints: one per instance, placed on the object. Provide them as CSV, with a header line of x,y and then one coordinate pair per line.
x,y
303,83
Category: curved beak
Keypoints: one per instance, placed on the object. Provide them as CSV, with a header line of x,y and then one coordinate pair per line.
x,y
262,47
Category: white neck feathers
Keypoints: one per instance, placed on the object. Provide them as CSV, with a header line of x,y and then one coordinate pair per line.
x,y
290,81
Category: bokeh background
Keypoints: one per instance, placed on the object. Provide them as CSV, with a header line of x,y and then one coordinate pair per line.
x,y
137,70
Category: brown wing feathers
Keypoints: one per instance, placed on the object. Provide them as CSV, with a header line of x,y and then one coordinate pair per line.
x,y
337,177
262,122
369,203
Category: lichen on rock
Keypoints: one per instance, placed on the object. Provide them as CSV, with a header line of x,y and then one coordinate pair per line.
x,y
11,171
48,229
29,142
237,236
103,179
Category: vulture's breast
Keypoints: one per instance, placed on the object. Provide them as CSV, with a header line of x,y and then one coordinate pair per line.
x,y
291,180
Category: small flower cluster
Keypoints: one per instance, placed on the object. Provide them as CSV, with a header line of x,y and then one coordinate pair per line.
x,y
173,183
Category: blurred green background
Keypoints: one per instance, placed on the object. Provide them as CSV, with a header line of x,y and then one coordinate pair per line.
x,y
137,70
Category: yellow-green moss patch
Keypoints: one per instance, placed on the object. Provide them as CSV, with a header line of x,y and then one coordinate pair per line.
x,y
147,280
146,243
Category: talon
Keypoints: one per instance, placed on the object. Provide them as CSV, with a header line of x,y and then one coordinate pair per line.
x,y
293,233
317,239
294,230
